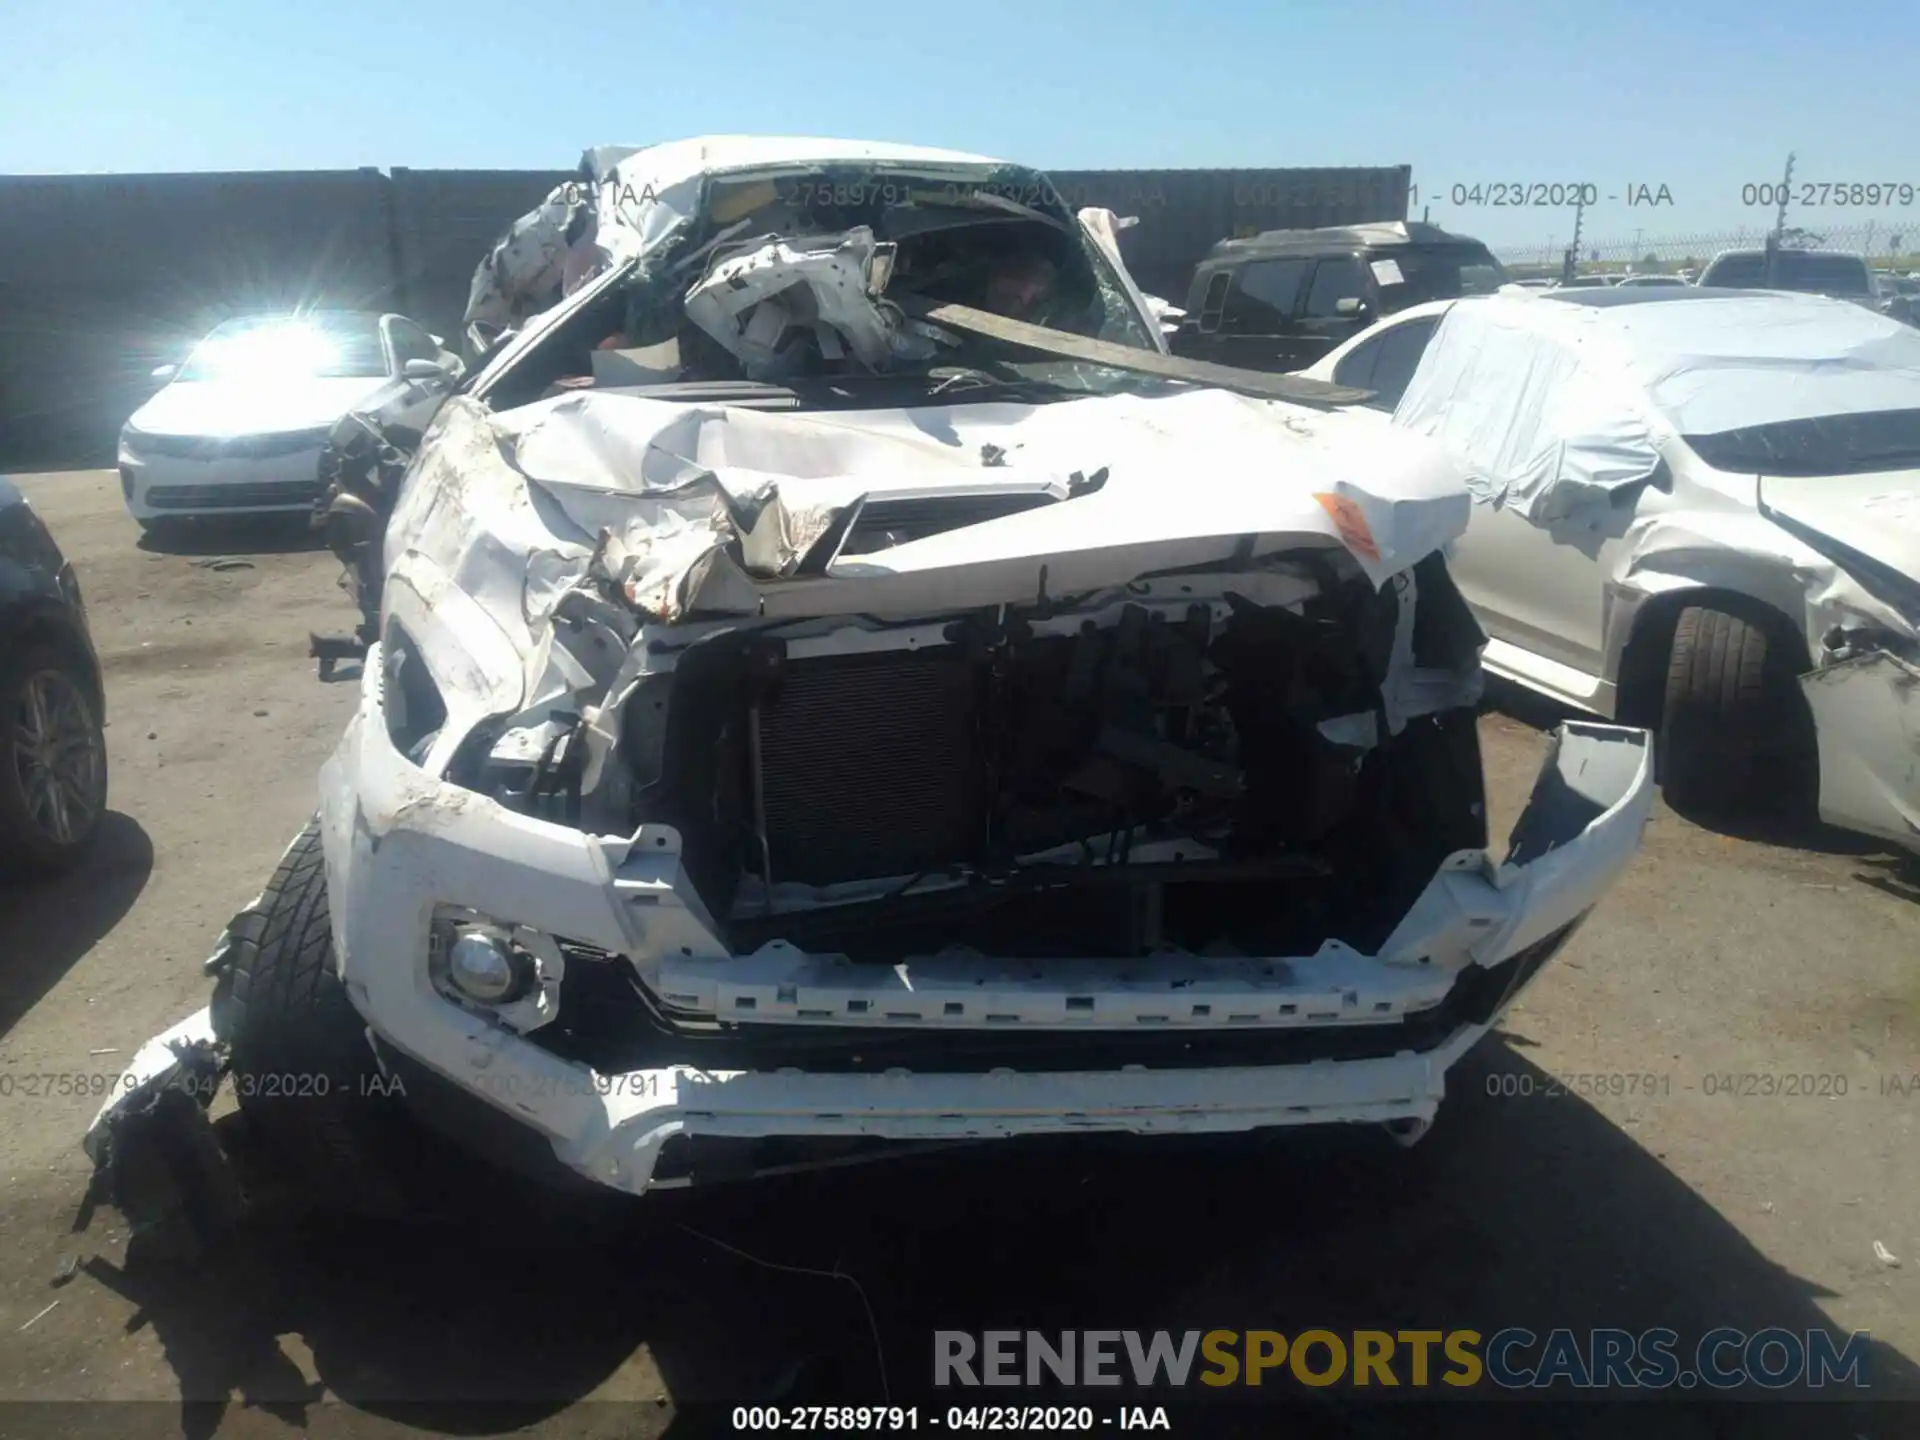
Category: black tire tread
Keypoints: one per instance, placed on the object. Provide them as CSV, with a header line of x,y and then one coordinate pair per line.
x,y
1723,707
288,1015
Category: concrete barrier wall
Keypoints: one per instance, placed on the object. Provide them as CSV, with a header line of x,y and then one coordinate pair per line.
x,y
445,221
103,277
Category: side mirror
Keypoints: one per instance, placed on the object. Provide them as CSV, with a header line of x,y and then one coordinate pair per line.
x,y
1350,305
423,370
165,372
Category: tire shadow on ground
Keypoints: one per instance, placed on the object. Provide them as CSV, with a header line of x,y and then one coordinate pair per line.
x,y
47,923
1524,1207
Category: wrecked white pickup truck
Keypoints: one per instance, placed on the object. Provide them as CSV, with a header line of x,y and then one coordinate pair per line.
x,y
838,681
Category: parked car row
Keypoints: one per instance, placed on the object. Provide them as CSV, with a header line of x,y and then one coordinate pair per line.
x,y
1817,272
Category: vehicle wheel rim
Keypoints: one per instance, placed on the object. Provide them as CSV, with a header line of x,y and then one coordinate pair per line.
x,y
59,758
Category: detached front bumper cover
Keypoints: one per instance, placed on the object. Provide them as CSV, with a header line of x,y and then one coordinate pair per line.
x,y
1866,712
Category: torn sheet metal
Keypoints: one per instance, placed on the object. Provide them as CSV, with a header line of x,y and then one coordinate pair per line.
x,y
545,255
629,201
1555,406
1867,713
1104,227
707,508
757,305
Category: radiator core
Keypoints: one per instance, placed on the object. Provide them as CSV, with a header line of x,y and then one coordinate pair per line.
x,y
868,766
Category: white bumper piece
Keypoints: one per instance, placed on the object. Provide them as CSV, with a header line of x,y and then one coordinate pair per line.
x,y
400,844
1867,713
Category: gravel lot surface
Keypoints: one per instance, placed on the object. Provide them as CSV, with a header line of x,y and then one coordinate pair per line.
x,y
1581,1174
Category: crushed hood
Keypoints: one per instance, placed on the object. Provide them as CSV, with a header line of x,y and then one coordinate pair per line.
x,y
711,509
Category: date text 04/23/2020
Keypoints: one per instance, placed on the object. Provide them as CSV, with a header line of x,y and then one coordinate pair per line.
x,y
879,1419
1543,194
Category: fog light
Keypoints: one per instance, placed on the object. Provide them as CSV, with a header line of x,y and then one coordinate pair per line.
x,y
488,969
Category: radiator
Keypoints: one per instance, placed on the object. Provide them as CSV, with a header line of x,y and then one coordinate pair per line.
x,y
867,766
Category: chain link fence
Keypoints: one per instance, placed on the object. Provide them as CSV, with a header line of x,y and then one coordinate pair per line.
x,y
1888,245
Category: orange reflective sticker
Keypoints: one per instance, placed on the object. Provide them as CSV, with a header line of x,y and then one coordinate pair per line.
x,y
1351,521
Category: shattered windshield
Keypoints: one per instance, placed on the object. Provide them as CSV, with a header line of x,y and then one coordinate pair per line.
x,y
793,278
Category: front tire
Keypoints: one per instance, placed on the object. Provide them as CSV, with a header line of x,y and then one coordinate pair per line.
x,y
1731,704
303,1070
53,759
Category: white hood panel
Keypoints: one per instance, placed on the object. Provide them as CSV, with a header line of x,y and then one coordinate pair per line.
x,y
711,508
1190,478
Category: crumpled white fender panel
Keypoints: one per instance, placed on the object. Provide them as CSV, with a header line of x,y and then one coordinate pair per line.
x,y
1741,550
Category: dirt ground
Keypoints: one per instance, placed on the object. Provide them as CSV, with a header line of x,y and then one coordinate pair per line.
x,y
1527,1205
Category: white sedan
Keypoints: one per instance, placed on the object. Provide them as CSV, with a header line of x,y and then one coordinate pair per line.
x,y
1699,510
240,426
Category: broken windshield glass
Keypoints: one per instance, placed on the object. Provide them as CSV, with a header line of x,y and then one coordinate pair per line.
x,y
806,275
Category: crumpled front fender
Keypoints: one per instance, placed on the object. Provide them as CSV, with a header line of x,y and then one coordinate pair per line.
x,y
1866,712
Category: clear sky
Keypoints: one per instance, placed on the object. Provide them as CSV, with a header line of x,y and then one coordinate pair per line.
x,y
1700,97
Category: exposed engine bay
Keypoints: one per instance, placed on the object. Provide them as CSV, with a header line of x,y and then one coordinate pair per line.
x,y
1131,773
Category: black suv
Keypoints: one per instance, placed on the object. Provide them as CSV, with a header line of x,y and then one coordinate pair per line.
x,y
1282,299
53,754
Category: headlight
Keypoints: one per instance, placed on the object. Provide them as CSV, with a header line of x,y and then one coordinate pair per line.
x,y
509,972
486,966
